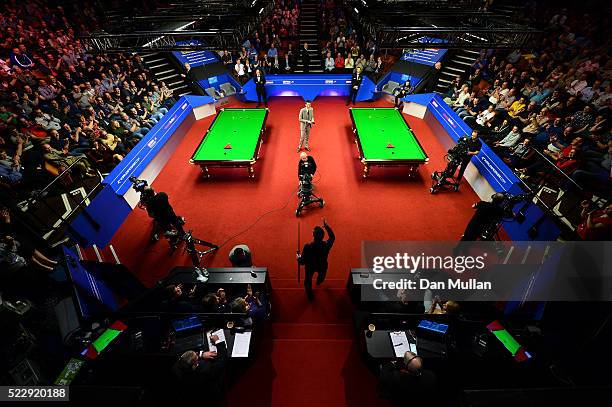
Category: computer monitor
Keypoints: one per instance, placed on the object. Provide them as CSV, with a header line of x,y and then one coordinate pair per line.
x,y
185,324
104,340
70,371
507,340
433,326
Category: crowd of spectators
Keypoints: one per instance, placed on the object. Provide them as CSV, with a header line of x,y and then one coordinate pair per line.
x,y
341,47
275,48
272,47
549,107
61,106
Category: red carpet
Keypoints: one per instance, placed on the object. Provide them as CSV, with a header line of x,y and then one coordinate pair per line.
x,y
311,358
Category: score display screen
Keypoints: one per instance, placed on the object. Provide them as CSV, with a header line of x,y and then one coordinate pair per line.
x,y
516,349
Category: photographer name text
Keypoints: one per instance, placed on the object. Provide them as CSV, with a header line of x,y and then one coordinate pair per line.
x,y
426,284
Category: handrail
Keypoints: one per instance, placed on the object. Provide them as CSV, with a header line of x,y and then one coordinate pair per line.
x,y
37,194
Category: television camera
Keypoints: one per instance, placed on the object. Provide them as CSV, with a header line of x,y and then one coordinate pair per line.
x,y
305,194
455,156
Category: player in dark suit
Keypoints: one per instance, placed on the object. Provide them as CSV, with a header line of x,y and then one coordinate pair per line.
x,y
355,84
260,87
314,257
402,91
192,80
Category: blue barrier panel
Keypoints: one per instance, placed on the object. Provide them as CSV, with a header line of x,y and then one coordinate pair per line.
x,y
309,86
99,221
92,294
194,58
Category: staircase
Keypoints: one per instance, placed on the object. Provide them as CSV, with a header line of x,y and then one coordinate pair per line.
x,y
458,64
309,33
162,67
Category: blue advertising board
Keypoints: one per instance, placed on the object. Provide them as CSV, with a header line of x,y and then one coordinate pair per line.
x,y
309,86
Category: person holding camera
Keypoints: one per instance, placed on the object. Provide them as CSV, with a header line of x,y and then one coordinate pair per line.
x,y
473,148
306,165
487,215
159,209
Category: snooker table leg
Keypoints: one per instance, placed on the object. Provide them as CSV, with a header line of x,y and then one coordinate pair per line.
x,y
251,171
205,172
366,170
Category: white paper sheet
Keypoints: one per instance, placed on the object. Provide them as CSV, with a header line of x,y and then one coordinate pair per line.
x,y
400,343
242,342
220,334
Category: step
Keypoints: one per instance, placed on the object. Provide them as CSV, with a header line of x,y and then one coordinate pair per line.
x,y
455,69
462,63
155,60
464,57
164,72
158,65
184,93
177,85
469,51
163,78
444,80
150,54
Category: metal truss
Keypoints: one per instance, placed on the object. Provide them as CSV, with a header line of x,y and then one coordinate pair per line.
x,y
466,38
410,27
162,41
202,24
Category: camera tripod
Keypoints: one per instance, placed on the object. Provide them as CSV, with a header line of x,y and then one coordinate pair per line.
x,y
446,178
195,254
307,197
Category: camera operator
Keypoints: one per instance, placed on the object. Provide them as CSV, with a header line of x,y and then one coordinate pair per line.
x,y
473,148
159,209
306,165
487,218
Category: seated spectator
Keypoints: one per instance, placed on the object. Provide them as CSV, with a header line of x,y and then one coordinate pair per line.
x,y
62,161
596,224
443,307
510,140
349,63
519,155
241,306
330,64
339,63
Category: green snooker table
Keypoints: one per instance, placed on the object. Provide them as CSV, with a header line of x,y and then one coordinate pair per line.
x,y
384,138
233,140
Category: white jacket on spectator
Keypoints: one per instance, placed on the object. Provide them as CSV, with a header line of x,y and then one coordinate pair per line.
x,y
48,122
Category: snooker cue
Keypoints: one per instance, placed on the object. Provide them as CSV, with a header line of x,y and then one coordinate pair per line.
x,y
298,251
